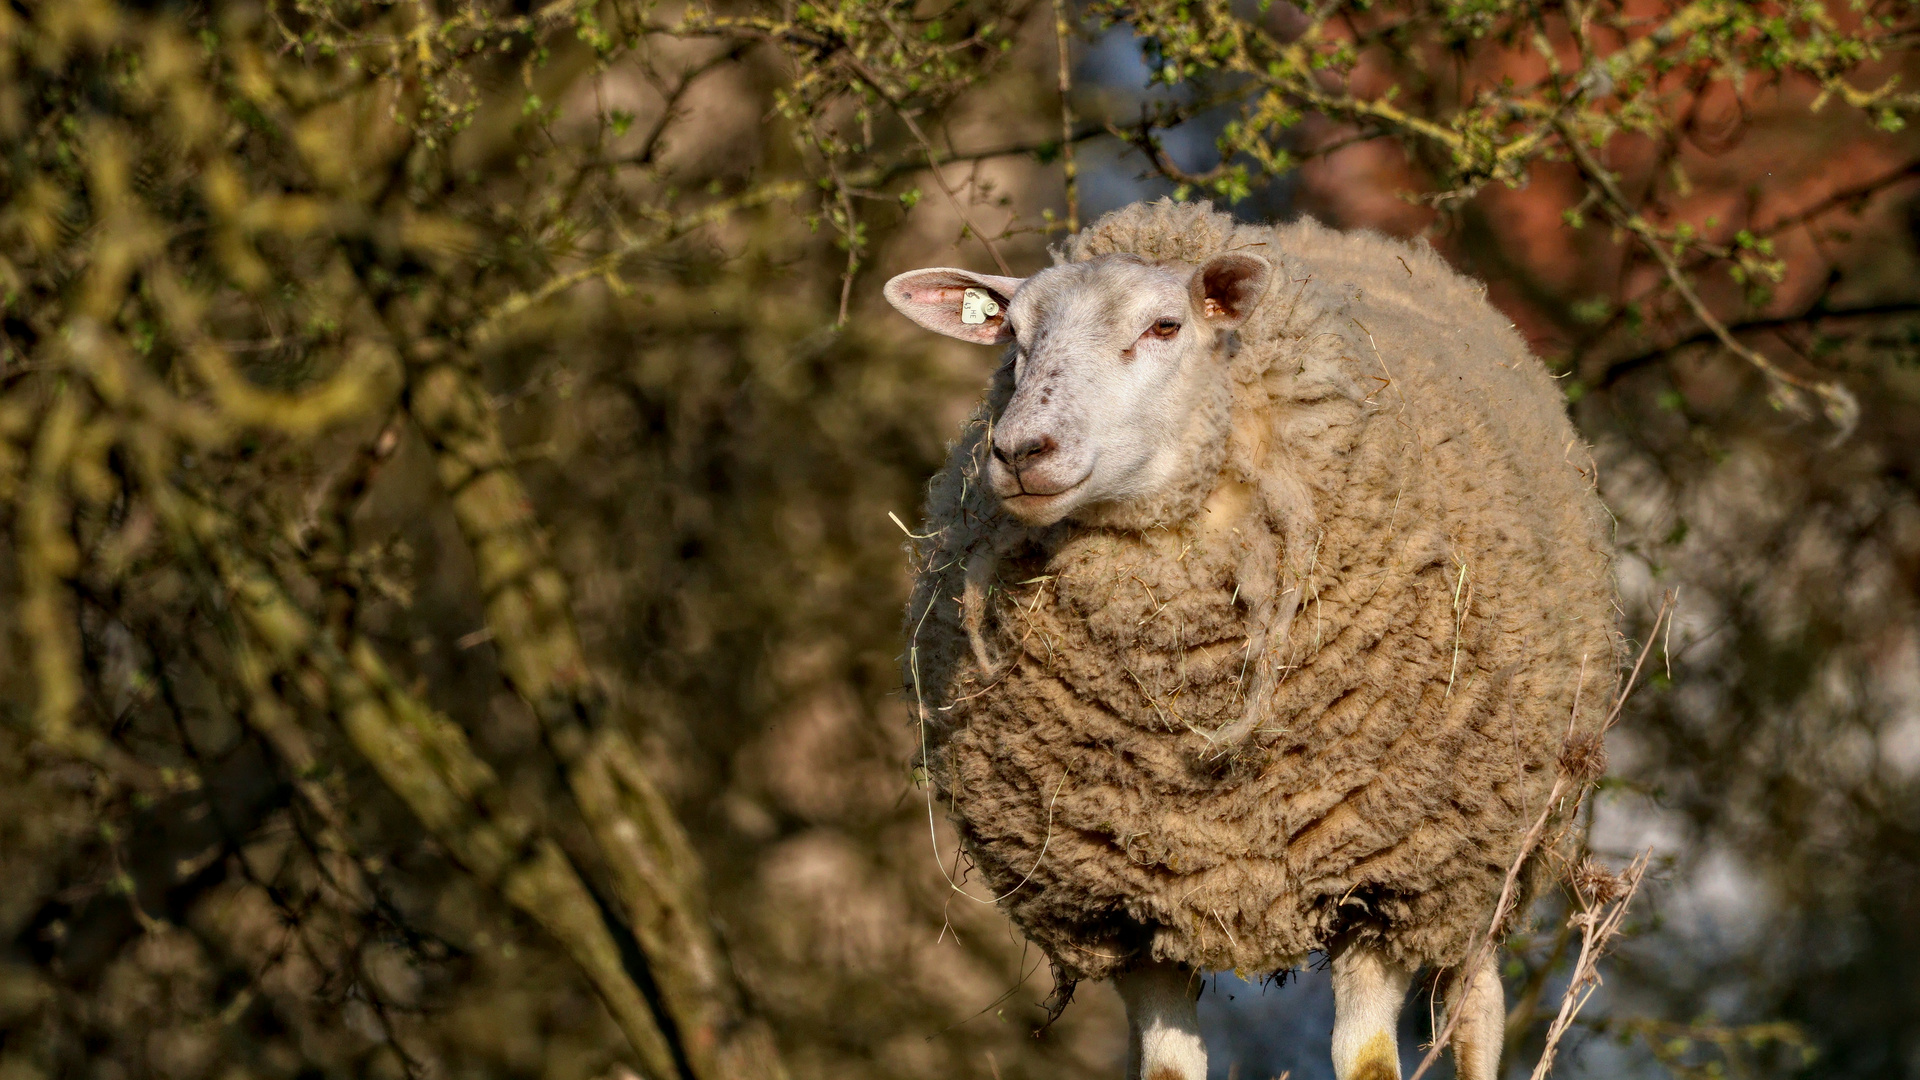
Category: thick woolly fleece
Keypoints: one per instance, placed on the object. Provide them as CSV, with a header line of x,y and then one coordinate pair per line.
x,y
1316,694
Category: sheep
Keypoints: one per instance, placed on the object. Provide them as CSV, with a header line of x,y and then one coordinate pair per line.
x,y
1251,612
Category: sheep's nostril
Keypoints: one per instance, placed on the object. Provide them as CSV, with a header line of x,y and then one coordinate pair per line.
x,y
1034,448
1026,452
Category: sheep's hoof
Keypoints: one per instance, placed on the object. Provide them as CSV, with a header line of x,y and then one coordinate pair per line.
x,y
1380,1060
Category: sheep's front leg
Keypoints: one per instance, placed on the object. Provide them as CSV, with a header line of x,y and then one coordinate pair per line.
x,y
1368,990
1163,1027
1482,1027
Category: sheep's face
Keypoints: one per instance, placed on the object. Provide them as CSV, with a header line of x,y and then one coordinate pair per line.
x,y
1111,358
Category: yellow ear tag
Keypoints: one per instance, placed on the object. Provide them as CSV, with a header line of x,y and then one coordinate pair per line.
x,y
977,306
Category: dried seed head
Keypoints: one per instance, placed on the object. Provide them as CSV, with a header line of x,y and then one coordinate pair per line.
x,y
1584,758
1595,883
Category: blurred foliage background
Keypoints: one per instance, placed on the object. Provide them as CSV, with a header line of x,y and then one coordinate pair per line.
x,y
447,447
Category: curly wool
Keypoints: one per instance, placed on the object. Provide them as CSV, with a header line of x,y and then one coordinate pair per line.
x,y
1313,695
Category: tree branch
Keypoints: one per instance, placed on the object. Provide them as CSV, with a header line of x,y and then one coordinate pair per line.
x,y
1615,370
1841,409
526,599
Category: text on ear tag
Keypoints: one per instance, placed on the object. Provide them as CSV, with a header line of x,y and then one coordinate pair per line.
x,y
977,306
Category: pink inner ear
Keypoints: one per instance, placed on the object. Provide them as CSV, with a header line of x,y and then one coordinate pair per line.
x,y
933,298
947,299
1230,285
937,294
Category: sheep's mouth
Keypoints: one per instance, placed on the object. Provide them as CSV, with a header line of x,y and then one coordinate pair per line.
x,y
1043,508
1034,498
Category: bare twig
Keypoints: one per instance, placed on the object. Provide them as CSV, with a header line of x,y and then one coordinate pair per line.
x,y
1062,30
876,176
489,324
926,145
1599,923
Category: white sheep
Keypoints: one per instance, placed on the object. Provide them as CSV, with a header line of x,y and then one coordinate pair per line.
x,y
1256,604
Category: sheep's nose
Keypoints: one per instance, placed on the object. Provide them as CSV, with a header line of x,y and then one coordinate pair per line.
x,y
1019,457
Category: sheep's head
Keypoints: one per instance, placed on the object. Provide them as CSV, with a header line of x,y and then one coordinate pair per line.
x,y
1110,357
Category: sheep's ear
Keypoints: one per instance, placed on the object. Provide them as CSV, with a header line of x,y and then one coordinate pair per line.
x,y
1226,287
938,300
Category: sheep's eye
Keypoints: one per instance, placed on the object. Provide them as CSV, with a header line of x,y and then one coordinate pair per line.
x,y
1164,329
